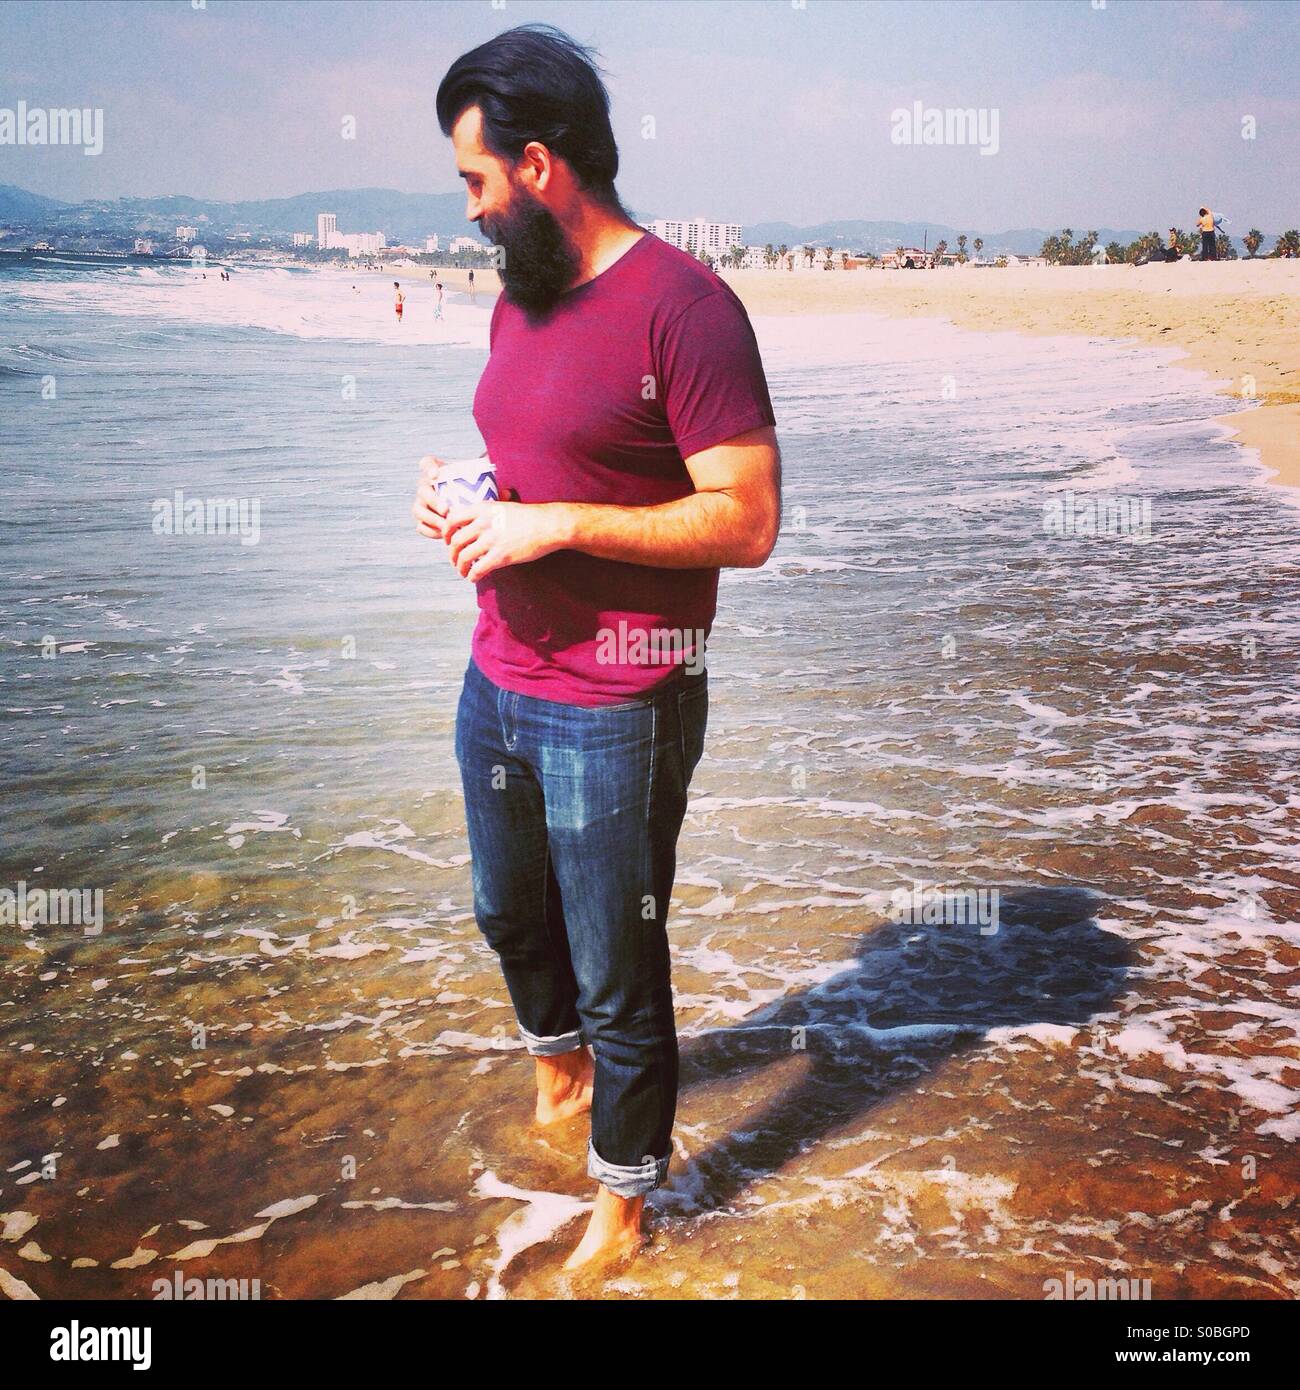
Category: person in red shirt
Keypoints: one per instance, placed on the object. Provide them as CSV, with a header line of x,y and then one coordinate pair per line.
x,y
626,414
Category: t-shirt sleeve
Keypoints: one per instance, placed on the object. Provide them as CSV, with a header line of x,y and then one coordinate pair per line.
x,y
714,387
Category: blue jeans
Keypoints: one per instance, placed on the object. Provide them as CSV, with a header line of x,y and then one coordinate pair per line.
x,y
573,816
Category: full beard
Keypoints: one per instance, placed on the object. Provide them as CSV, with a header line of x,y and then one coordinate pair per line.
x,y
538,263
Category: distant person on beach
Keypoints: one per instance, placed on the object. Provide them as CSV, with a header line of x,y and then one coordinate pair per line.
x,y
1206,223
471,287
585,700
1174,251
437,307
401,299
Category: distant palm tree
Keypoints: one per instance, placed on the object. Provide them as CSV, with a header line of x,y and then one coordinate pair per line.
x,y
1145,247
1083,251
979,244
961,246
940,247
1254,239
1288,241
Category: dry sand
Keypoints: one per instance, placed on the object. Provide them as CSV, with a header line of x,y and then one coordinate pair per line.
x,y
1236,320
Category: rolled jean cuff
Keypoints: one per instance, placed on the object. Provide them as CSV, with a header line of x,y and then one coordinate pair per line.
x,y
631,1181
550,1047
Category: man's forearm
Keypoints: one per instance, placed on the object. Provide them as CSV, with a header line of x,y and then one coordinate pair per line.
x,y
703,531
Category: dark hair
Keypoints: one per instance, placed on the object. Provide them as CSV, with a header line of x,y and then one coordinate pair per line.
x,y
534,82
1203,211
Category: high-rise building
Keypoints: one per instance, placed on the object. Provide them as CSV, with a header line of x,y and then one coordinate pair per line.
x,y
431,243
361,243
186,233
697,235
302,238
329,238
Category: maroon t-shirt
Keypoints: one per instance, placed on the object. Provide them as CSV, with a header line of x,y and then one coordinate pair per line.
x,y
600,400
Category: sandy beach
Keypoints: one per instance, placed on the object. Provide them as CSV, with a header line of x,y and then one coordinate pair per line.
x,y
1235,320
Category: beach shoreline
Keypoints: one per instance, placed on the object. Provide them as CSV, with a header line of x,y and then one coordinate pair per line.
x,y
1237,321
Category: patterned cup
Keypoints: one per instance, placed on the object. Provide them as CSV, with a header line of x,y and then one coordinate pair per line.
x,y
462,482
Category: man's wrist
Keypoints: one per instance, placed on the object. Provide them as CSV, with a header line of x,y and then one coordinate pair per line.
x,y
564,525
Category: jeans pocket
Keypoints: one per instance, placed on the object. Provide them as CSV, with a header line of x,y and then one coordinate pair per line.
x,y
692,720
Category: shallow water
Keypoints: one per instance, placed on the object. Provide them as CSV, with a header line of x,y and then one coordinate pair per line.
x,y
289,1038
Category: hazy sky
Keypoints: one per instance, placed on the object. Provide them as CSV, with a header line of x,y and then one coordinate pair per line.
x,y
1125,115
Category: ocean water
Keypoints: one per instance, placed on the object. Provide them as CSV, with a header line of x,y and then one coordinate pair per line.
x,y
289,1056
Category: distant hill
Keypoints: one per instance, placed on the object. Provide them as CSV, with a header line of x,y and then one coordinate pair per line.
x,y
17,205
409,217
400,216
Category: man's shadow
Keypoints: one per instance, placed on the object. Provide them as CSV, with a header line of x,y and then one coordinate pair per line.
x,y
914,996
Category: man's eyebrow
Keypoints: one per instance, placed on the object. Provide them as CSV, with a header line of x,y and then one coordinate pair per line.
x,y
469,173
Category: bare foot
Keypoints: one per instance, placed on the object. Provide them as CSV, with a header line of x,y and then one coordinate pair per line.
x,y
564,1085
614,1230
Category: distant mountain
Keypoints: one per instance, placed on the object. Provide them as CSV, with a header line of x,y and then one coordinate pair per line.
x,y
409,217
17,205
400,216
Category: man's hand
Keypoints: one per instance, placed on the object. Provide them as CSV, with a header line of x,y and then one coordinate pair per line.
x,y
489,535
428,509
